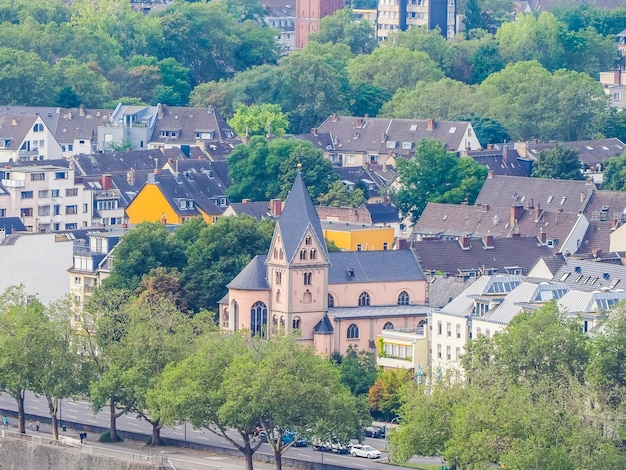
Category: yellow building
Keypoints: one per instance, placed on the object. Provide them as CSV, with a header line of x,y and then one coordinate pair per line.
x,y
358,237
173,198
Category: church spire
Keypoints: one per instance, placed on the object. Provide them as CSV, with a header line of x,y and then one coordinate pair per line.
x,y
298,215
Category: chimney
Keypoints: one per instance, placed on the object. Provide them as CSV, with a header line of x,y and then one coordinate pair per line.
x,y
617,76
334,117
582,196
81,111
359,122
516,213
430,125
159,111
505,153
488,241
489,146
485,207
589,181
596,252
130,176
490,175
314,131
465,243
14,122
107,182
276,207
537,211
543,237
245,201
163,219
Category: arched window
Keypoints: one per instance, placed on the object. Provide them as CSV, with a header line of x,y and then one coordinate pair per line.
x,y
303,253
280,254
388,326
296,323
307,278
258,319
274,320
313,253
353,332
308,241
331,301
234,309
307,297
403,298
225,318
279,277
278,295
364,299
275,252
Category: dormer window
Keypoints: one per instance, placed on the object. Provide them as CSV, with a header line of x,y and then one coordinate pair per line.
x,y
407,145
391,144
5,143
38,127
168,134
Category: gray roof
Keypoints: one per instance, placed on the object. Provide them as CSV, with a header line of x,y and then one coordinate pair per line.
x,y
258,210
601,222
340,313
324,326
298,215
383,213
183,187
109,163
495,287
252,277
496,162
449,257
580,302
590,152
568,196
373,266
591,275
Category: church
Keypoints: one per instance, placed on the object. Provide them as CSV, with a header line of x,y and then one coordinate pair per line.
x,y
332,299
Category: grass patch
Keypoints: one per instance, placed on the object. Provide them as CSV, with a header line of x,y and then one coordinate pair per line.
x,y
106,437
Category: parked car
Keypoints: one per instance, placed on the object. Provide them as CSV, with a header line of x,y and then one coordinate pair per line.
x,y
289,437
373,431
320,445
361,450
340,447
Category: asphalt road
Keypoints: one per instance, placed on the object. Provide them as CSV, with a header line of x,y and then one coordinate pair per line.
x,y
79,411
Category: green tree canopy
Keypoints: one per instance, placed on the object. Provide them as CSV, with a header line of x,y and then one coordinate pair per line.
x,y
259,119
615,173
358,371
341,27
436,175
558,162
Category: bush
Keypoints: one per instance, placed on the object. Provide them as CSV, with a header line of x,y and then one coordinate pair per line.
x,y
106,437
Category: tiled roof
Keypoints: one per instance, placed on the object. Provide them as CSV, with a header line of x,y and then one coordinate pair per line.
x,y
106,163
591,275
252,277
448,257
550,194
255,209
298,215
590,152
383,213
350,267
320,140
15,127
494,160
324,326
175,187
601,222
373,134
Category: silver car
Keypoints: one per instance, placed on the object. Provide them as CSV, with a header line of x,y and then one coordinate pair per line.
x,y
361,450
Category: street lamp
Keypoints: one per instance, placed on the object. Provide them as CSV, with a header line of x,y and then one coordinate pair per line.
x,y
387,435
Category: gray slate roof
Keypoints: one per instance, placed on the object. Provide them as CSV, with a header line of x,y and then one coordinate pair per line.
x,y
590,152
597,238
258,210
591,275
252,277
298,215
349,267
108,163
499,164
178,186
342,313
324,326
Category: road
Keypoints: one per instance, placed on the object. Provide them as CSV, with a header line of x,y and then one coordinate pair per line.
x,y
79,411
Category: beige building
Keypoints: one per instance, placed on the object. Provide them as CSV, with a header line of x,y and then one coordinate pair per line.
x,y
334,300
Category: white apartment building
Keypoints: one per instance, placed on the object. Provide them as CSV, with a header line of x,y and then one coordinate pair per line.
x,y
26,138
400,15
45,198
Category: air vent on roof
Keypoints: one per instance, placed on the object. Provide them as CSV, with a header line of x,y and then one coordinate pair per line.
x,y
606,276
577,269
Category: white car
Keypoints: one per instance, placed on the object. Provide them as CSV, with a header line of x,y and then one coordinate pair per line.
x,y
360,450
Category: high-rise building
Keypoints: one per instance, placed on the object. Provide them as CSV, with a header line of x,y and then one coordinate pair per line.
x,y
308,16
400,15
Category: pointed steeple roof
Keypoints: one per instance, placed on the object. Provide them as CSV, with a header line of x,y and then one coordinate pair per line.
x,y
298,215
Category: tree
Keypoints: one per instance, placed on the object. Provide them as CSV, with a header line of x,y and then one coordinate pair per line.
x,y
436,175
341,27
488,131
24,78
473,16
339,195
220,252
392,67
558,162
423,39
148,246
384,396
358,371
615,124
259,119
615,173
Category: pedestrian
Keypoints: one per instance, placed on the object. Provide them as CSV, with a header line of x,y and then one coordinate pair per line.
x,y
37,425
6,422
30,424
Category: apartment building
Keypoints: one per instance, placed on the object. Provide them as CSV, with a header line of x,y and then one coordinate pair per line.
x,y
400,15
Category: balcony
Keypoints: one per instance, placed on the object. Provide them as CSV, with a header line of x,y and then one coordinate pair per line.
x,y
14,183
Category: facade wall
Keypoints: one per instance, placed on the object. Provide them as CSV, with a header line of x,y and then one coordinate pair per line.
x,y
362,240
383,293
449,335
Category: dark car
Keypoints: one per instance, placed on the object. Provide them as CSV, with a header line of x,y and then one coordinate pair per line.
x,y
374,431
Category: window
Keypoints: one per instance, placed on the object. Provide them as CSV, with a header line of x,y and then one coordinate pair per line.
x,y
77,281
279,277
449,329
313,253
71,210
331,301
57,209
488,333
308,240
44,193
307,278
407,145
388,326
225,318
439,328
457,354
353,331
403,298
278,296
364,299
258,319
60,175
385,246
85,208
359,247
448,352
616,96
71,192
56,227
27,194
37,176
439,351
71,226
303,254
43,210
38,127
26,212
296,323
54,193
458,331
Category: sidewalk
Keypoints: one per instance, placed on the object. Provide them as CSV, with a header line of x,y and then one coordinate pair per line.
x,y
188,458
